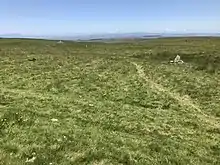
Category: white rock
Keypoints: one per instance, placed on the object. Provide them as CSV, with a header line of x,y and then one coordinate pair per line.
x,y
54,120
177,59
31,160
91,105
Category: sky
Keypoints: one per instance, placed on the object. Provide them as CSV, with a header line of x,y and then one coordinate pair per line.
x,y
73,17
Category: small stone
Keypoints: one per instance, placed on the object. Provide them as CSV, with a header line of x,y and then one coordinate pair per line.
x,y
54,120
91,105
31,160
177,60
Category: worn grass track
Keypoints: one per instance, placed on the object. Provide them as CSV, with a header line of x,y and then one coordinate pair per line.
x,y
109,103
184,101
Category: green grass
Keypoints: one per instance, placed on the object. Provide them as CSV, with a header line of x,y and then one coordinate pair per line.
x,y
110,103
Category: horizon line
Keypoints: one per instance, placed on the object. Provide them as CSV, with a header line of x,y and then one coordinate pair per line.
x,y
108,33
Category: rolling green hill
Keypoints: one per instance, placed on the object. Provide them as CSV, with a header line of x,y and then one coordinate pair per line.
x,y
110,103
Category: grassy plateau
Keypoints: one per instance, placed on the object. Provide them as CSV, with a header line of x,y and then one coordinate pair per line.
x,y
96,103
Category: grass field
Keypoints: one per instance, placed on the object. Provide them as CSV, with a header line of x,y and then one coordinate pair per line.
x,y
110,103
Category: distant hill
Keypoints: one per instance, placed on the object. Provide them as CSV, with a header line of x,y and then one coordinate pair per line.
x,y
11,35
94,37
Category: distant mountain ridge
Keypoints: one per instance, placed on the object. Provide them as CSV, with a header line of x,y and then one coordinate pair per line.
x,y
109,36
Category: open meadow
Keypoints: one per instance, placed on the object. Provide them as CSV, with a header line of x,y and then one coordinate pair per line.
x,y
96,103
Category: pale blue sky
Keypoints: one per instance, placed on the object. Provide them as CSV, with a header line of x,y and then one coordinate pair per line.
x,y
60,17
